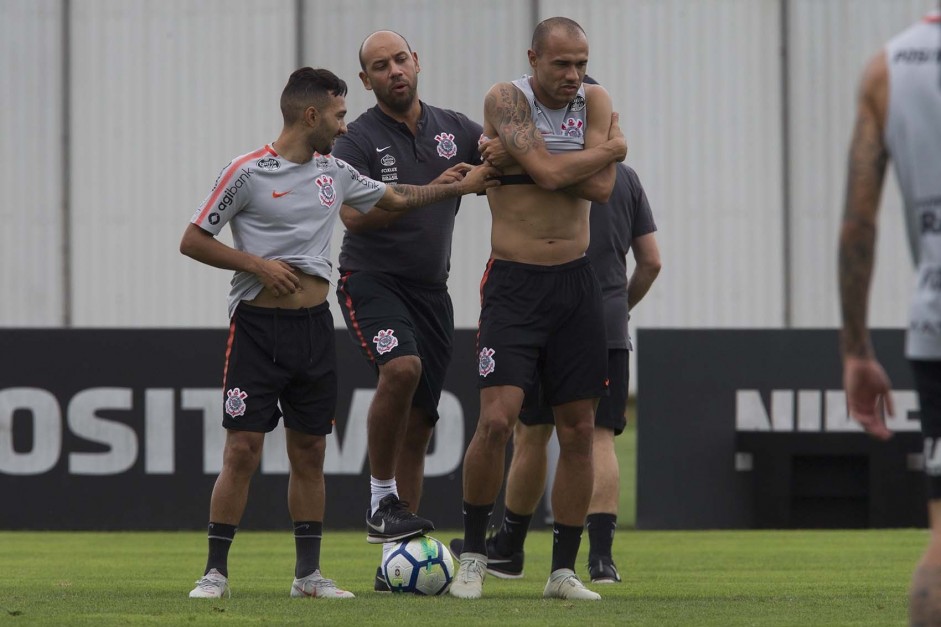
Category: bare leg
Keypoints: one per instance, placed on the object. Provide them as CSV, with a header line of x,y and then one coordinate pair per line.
x,y
486,453
925,593
306,489
606,491
388,413
239,461
410,467
571,492
527,476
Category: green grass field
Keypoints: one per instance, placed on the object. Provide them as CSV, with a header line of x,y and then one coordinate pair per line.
x,y
670,578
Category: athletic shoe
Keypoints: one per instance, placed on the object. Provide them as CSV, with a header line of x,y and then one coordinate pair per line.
x,y
381,585
498,565
213,585
565,584
316,587
469,581
392,521
603,570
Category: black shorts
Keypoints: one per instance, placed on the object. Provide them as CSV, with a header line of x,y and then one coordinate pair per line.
x,y
286,355
542,324
928,384
389,317
612,409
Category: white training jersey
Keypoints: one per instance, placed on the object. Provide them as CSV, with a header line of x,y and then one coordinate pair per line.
x,y
278,209
562,129
913,138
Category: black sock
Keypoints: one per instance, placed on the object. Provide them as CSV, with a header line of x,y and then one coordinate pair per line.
x,y
307,536
220,539
476,519
600,534
565,541
512,534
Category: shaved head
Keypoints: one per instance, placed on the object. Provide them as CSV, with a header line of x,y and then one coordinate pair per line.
x,y
378,36
569,28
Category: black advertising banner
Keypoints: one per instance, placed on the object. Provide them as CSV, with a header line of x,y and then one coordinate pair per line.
x,y
749,429
121,429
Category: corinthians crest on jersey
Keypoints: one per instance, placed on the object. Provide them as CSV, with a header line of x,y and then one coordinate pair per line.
x,y
446,146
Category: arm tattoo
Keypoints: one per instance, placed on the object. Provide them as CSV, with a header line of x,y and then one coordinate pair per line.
x,y
421,195
865,173
510,114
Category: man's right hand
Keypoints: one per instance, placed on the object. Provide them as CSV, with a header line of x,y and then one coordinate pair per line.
x,y
616,138
277,277
868,394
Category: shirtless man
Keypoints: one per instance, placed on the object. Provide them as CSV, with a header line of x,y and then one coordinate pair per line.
x,y
541,309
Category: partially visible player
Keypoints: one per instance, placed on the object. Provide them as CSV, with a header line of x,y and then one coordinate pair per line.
x,y
898,117
281,202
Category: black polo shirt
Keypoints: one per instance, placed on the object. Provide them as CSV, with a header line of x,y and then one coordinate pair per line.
x,y
614,225
417,246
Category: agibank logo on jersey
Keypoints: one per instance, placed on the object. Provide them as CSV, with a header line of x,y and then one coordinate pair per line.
x,y
446,146
485,362
235,402
328,195
385,341
573,128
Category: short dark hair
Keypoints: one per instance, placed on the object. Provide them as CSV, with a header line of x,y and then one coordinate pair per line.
x,y
307,87
543,28
590,81
362,61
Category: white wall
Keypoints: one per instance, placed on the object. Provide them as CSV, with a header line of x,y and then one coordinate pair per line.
x,y
163,94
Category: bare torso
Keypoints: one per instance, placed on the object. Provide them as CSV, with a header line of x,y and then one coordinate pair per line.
x,y
311,291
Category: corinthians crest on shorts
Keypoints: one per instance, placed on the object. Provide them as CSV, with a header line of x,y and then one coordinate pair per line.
x,y
328,195
385,341
446,146
485,362
235,402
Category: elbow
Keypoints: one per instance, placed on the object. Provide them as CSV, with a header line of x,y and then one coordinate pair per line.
x,y
186,246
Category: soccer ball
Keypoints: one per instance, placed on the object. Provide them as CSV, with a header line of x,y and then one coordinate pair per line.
x,y
420,565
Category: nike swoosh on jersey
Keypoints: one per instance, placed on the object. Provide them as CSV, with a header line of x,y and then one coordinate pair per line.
x,y
275,194
380,528
386,148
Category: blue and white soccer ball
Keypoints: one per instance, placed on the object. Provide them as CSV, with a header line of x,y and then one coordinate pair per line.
x,y
420,565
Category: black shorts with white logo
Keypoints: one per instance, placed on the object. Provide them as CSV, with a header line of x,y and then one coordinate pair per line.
x,y
928,384
545,324
612,409
388,317
286,355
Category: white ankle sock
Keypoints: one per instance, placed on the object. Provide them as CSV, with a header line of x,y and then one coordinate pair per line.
x,y
379,488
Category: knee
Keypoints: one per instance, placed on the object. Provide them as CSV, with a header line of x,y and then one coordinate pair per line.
x,y
401,372
307,451
576,436
495,429
242,454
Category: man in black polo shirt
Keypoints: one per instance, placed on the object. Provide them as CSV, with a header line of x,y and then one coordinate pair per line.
x,y
393,276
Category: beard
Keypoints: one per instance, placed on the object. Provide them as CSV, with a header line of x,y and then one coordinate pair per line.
x,y
400,102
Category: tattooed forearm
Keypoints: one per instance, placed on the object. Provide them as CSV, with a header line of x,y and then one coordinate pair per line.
x,y
508,110
865,174
411,196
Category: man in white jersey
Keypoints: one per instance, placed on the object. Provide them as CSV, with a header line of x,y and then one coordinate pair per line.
x,y
282,202
541,310
899,118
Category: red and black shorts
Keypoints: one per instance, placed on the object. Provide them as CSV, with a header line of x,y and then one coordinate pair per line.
x,y
280,355
543,325
389,317
612,409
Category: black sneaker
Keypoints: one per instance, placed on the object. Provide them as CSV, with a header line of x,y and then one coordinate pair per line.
x,y
603,570
381,584
392,521
500,566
